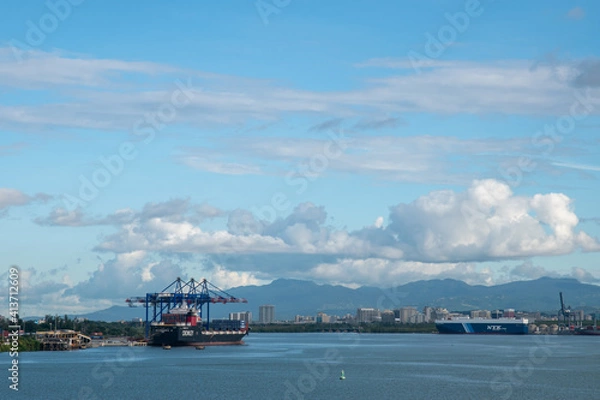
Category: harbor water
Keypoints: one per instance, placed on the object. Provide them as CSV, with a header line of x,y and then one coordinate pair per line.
x,y
308,366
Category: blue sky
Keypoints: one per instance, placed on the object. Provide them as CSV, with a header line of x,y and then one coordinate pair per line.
x,y
345,142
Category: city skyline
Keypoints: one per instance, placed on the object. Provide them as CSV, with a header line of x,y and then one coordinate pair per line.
x,y
341,142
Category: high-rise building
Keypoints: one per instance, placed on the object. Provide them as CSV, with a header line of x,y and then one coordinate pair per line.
x,y
387,317
241,316
367,314
428,311
266,314
406,314
322,318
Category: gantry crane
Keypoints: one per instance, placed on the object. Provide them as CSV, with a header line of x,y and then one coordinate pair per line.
x,y
565,311
191,294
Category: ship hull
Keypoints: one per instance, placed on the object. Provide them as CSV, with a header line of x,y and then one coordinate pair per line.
x,y
194,336
588,332
481,328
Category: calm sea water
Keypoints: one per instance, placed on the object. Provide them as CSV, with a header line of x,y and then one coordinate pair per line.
x,y
308,366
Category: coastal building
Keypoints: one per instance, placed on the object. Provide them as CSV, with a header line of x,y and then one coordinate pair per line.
x,y
407,314
427,312
266,314
417,318
241,316
480,314
304,319
388,317
367,315
323,318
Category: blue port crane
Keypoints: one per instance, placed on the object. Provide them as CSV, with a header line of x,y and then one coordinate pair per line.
x,y
192,294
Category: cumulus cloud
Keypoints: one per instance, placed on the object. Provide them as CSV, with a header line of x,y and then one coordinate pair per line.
x,y
126,275
488,222
302,232
442,233
226,279
41,293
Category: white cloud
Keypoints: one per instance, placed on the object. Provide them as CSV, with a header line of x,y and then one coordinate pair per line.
x,y
12,197
409,158
487,222
382,272
39,69
218,167
528,271
582,167
126,275
226,279
444,231
106,97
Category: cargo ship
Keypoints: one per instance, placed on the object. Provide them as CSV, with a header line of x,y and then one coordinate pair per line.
x,y
485,326
184,327
589,331
174,316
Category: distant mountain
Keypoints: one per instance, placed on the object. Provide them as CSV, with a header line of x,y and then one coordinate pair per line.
x,y
112,314
296,297
116,313
293,297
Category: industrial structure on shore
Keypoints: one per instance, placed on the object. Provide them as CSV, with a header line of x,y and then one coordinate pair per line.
x,y
63,339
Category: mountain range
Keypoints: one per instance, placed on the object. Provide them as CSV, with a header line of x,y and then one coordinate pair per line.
x,y
296,297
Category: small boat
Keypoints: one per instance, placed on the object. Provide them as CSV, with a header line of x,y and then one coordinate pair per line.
x,y
166,347
342,376
199,347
